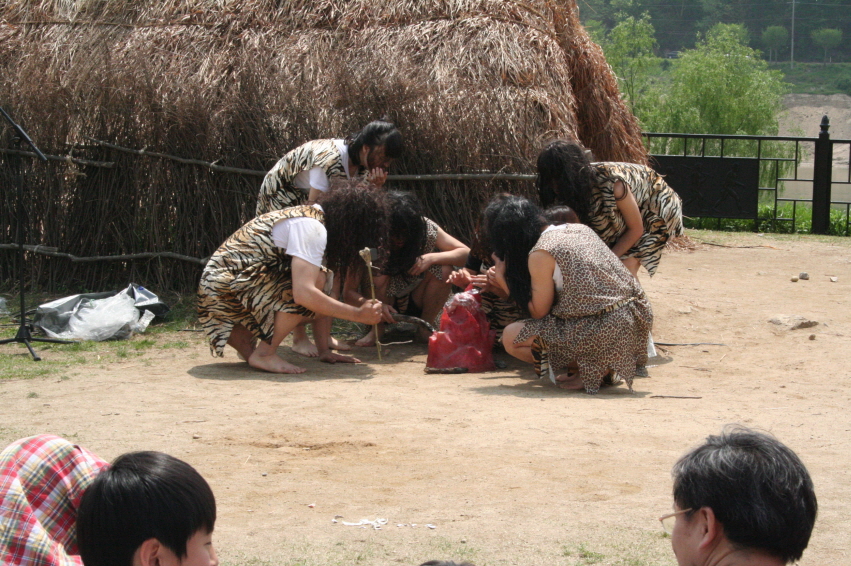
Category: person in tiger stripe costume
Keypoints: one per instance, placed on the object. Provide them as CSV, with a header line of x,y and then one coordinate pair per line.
x,y
629,206
270,276
304,173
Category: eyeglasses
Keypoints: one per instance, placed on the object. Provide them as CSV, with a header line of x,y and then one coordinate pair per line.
x,y
668,521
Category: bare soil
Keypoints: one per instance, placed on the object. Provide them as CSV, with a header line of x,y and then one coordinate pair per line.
x,y
506,469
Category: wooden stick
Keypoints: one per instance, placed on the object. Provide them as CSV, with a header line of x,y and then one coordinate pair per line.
x,y
366,254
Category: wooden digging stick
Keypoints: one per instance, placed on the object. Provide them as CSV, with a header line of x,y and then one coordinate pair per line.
x,y
366,254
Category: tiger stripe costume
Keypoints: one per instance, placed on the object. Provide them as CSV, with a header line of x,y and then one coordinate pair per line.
x,y
661,209
248,280
278,192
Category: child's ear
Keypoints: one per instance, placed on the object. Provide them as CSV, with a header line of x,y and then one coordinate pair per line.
x,y
151,553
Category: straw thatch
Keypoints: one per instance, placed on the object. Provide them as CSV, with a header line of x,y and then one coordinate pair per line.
x,y
475,85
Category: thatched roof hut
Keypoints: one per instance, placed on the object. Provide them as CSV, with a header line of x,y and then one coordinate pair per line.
x,y
475,85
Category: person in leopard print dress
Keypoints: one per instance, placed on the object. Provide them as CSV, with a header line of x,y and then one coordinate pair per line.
x,y
269,277
629,206
590,318
413,279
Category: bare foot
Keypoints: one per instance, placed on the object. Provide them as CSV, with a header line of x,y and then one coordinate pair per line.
x,y
241,356
273,364
367,341
335,344
570,381
305,347
332,358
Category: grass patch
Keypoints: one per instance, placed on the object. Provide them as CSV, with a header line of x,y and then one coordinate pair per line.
x,y
583,555
142,344
816,78
790,219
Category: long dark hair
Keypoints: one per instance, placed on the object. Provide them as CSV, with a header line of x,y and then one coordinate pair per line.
x,y
374,134
408,228
564,177
513,226
356,217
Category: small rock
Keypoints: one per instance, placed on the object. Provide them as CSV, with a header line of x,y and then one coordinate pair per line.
x,y
264,474
834,279
463,541
794,279
803,276
196,436
684,310
312,505
794,322
812,336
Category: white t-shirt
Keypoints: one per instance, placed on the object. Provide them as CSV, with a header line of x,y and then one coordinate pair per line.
x,y
558,278
302,237
316,177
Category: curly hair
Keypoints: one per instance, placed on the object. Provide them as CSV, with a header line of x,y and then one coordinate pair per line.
x,y
408,232
357,216
564,177
513,225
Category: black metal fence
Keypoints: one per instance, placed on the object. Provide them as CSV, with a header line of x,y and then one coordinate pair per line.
x,y
729,176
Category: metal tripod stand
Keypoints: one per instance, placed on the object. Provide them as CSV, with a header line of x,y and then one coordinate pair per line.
x,y
24,335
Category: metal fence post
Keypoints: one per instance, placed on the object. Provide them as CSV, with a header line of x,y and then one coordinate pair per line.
x,y
822,166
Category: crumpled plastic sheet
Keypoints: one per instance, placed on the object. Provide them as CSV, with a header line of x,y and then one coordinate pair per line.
x,y
76,318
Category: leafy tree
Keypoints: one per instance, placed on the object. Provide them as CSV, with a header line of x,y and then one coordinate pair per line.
x,y
721,86
629,49
775,38
827,39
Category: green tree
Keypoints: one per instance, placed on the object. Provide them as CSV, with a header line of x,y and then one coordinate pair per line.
x,y
629,49
774,38
826,38
722,86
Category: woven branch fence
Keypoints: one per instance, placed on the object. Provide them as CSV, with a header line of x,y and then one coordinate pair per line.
x,y
474,85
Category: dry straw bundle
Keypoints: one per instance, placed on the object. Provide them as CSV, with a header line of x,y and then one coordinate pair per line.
x,y
475,85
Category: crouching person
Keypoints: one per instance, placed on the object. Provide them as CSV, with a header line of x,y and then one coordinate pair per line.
x,y
272,275
61,505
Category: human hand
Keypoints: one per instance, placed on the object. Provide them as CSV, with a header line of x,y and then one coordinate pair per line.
x,y
423,262
370,312
377,176
459,278
330,357
496,274
387,313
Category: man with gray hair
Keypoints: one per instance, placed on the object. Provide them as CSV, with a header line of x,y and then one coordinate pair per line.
x,y
741,498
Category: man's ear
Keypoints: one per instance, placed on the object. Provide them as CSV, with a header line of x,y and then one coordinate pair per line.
x,y
711,529
148,553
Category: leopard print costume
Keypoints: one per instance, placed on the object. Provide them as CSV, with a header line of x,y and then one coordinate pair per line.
x,y
661,209
400,287
600,319
248,280
278,191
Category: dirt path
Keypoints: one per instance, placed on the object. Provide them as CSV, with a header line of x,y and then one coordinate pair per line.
x,y
506,469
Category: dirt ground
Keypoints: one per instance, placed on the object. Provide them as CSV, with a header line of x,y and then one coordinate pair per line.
x,y
494,468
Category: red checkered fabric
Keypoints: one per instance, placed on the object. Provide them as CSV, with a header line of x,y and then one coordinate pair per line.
x,y
42,479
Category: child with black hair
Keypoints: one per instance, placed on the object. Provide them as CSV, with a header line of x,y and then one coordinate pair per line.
x,y
61,505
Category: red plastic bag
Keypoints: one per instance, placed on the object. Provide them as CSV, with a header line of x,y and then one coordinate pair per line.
x,y
465,338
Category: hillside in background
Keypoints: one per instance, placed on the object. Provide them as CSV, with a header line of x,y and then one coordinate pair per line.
x,y
678,23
